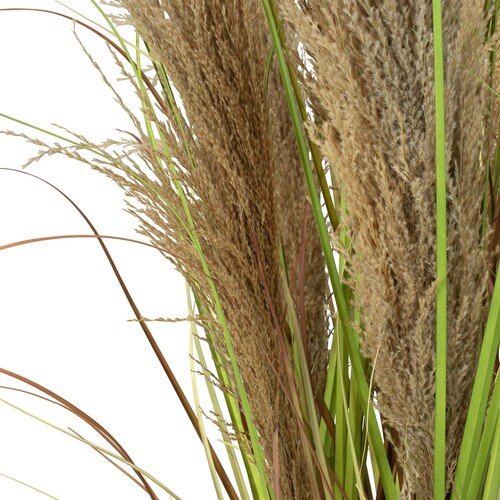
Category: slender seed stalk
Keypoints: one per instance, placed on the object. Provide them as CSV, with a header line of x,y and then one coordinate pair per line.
x,y
357,368
441,259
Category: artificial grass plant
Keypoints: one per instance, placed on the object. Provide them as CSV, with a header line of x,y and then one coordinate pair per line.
x,y
325,175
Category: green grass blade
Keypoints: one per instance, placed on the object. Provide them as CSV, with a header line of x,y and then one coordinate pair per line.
x,y
480,393
369,403
351,456
492,485
484,450
340,402
329,399
345,455
353,483
235,466
441,259
192,335
351,336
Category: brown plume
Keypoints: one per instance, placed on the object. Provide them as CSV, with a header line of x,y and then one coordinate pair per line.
x,y
371,78
233,153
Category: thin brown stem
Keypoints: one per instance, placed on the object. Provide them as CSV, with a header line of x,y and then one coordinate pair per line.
x,y
86,418
108,40
152,342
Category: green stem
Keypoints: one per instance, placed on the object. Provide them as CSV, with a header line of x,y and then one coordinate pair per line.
x,y
441,259
484,450
193,337
340,398
492,485
351,336
479,397
329,399
316,157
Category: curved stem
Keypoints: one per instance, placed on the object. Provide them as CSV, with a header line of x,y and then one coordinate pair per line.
x,y
149,336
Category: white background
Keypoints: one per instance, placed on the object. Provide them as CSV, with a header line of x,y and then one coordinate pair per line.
x,y
63,318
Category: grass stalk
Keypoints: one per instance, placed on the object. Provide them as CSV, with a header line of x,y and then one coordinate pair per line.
x,y
441,259
351,456
485,446
479,397
192,335
355,424
357,368
340,398
218,309
31,487
329,399
95,446
492,485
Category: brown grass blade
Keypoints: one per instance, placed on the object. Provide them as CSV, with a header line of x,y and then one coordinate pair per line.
x,y
149,336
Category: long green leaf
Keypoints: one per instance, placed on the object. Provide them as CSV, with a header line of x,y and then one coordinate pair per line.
x,y
484,450
492,485
329,399
192,335
441,259
351,336
353,482
342,378
480,393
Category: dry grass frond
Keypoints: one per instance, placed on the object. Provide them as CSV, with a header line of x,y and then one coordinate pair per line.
x,y
371,86
233,155
212,173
